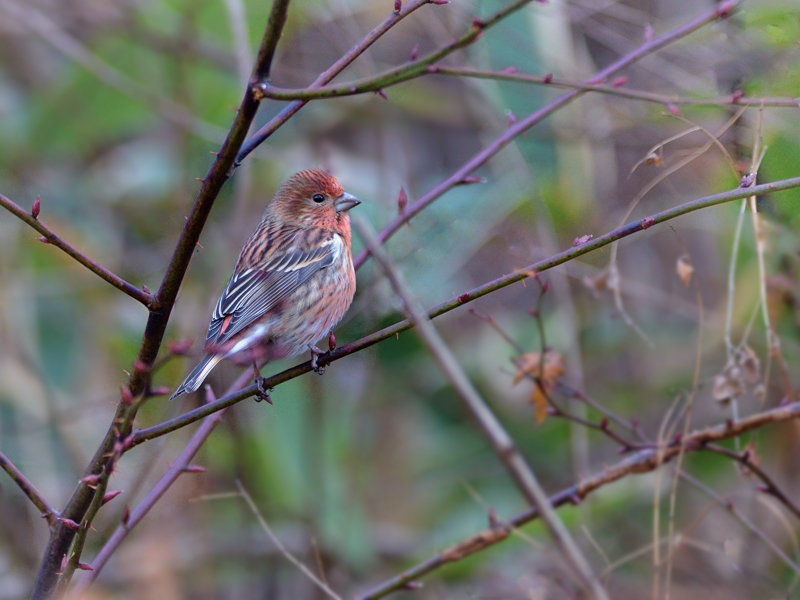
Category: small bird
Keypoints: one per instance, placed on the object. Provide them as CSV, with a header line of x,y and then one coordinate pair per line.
x,y
293,280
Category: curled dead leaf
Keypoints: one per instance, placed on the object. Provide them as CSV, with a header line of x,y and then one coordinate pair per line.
x,y
684,269
544,371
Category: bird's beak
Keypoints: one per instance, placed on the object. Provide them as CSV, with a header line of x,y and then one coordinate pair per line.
x,y
345,202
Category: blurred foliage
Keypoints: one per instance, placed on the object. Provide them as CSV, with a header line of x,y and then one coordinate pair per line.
x,y
111,118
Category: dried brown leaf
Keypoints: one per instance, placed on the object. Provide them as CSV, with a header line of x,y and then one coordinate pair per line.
x,y
684,269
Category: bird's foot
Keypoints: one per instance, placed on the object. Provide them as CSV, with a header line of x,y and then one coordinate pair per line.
x,y
315,354
262,392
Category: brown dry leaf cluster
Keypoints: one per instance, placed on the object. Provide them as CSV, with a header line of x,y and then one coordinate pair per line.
x,y
742,369
544,371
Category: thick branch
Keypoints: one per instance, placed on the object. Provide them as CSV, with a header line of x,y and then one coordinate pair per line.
x,y
473,294
643,461
51,238
28,489
62,537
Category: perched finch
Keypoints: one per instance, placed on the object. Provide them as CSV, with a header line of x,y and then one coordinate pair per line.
x,y
293,281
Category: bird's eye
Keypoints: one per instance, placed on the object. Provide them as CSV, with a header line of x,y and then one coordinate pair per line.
x,y
318,198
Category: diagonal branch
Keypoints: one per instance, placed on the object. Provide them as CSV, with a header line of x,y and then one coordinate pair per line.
x,y
53,239
722,10
61,537
501,441
565,256
643,461
621,92
340,65
29,490
406,72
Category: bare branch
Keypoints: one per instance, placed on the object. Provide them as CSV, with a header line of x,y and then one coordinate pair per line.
x,y
457,301
501,441
643,461
523,125
340,65
619,91
405,72
53,239
47,511
61,537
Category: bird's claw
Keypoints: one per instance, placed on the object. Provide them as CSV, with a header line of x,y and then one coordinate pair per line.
x,y
262,392
315,354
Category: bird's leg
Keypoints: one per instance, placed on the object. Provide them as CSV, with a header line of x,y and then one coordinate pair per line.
x,y
315,354
262,393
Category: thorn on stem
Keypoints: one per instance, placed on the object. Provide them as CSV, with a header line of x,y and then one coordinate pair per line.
x,y
548,78
84,566
69,524
194,469
402,201
398,6
382,94
126,515
619,81
126,395
43,239
91,480
672,109
725,8
109,496
37,206
511,118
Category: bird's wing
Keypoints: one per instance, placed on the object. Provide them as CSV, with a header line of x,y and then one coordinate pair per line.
x,y
252,291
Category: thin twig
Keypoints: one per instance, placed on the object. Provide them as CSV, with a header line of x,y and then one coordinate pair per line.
x,y
340,65
643,461
631,228
502,442
172,474
62,537
729,506
524,124
39,501
622,92
276,540
406,72
772,488
51,238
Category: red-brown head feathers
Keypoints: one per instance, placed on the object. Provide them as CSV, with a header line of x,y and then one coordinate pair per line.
x,y
313,198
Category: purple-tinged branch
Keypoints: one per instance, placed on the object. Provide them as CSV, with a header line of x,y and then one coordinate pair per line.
x,y
47,511
327,76
643,461
61,538
411,70
622,92
51,238
523,125
548,263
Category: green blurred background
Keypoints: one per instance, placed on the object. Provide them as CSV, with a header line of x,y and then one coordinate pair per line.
x,y
108,111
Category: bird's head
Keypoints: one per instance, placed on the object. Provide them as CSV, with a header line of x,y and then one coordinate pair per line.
x,y
312,198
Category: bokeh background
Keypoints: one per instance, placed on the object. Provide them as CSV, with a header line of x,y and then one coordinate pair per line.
x,y
108,111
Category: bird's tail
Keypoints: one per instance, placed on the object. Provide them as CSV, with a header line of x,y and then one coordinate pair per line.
x,y
198,375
